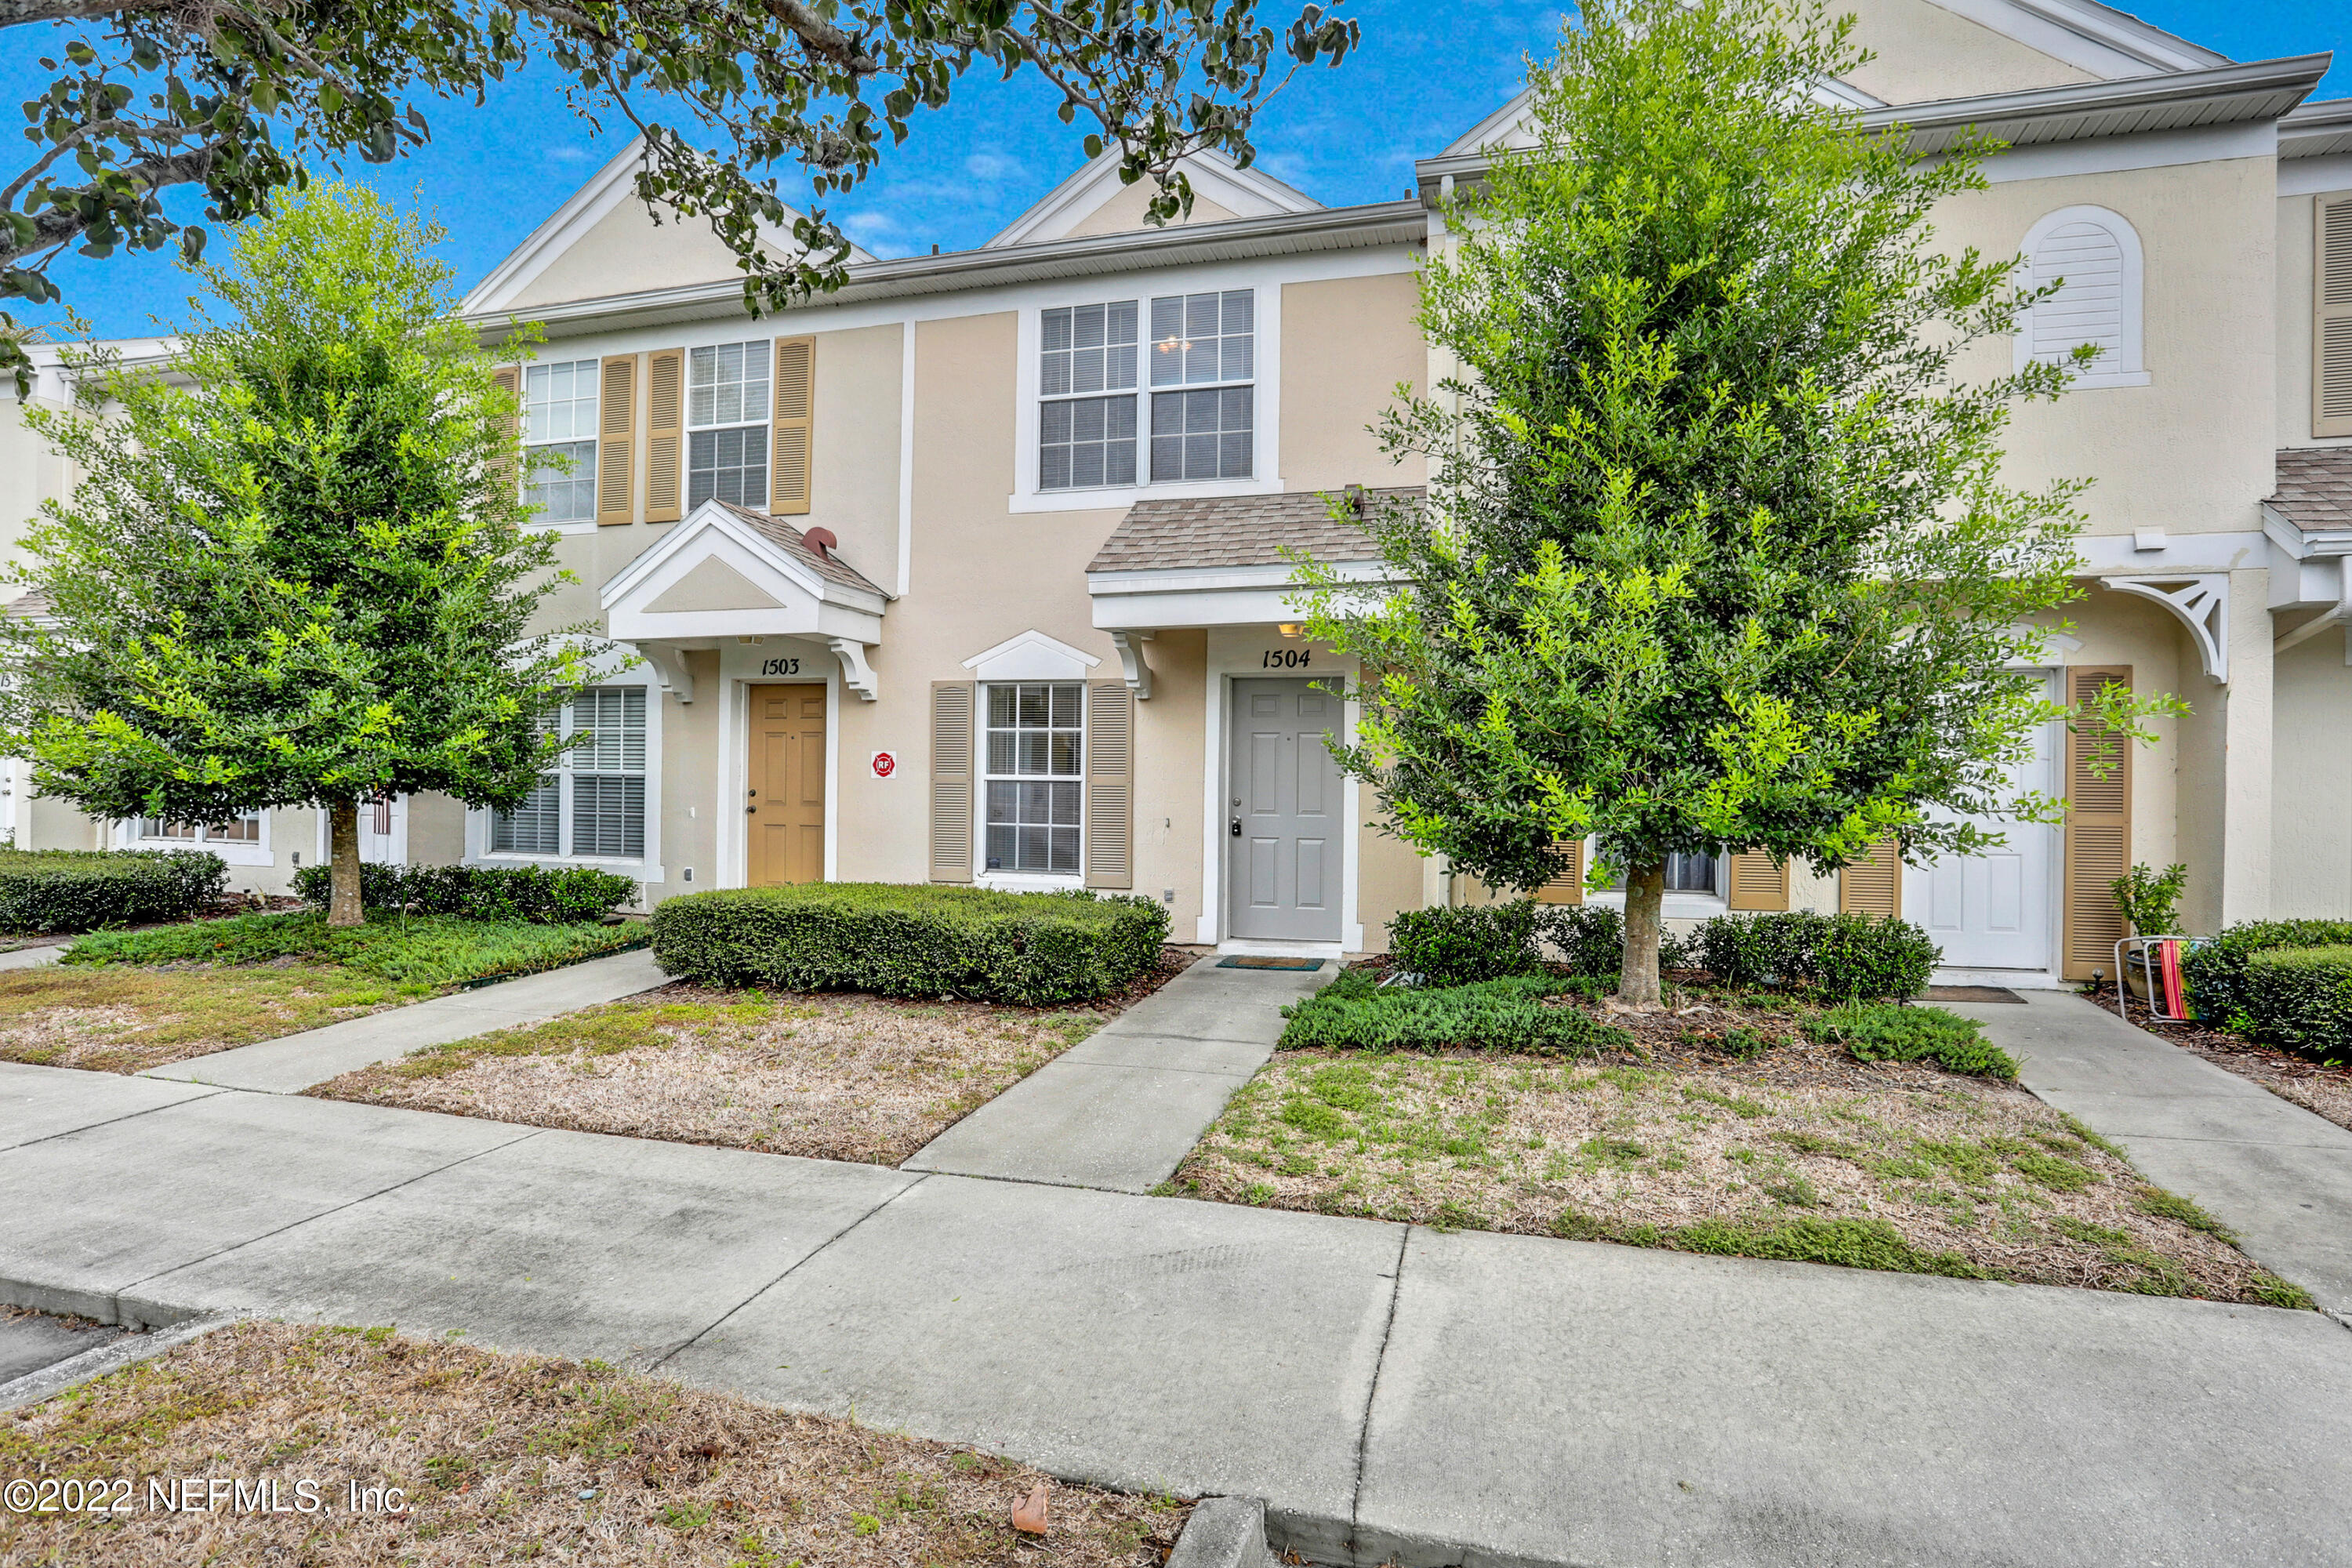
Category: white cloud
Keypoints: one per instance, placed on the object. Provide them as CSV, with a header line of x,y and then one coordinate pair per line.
x,y
878,232
569,154
991,167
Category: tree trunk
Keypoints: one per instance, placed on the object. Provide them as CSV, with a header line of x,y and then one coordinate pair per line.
x,y
344,906
1646,896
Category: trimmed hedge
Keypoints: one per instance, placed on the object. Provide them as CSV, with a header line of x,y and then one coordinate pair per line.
x,y
912,940
1832,956
565,897
84,890
1466,944
2215,970
1354,1014
2301,997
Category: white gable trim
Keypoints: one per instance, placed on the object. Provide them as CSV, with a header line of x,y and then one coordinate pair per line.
x,y
1244,193
1032,656
806,602
1500,128
589,206
2090,37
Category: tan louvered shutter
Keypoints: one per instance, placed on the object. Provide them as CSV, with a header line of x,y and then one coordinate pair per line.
x,y
1110,785
1568,888
2331,346
1873,886
616,441
1757,882
665,435
788,478
952,781
2098,827
509,380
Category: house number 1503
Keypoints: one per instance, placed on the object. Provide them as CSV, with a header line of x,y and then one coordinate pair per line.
x,y
1285,659
779,667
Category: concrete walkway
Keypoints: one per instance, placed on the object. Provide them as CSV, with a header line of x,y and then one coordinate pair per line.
x,y
292,1063
2273,1172
1121,1109
1432,1398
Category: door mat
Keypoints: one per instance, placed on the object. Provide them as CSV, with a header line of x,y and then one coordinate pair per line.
x,y
1243,961
1973,994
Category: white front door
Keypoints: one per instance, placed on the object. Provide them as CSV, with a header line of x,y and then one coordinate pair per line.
x,y
384,830
1993,911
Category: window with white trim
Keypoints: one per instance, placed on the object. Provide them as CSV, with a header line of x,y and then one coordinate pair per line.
x,y
594,800
243,829
1700,874
1085,384
1205,344
559,420
1035,741
727,406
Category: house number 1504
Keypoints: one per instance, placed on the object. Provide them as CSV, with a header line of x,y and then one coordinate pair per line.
x,y
779,667
1285,659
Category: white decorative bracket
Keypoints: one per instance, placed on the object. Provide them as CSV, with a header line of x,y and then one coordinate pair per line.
x,y
1130,660
669,668
856,673
2201,600
2337,615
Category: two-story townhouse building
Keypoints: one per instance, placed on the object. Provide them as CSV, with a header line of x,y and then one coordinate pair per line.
x,y
973,572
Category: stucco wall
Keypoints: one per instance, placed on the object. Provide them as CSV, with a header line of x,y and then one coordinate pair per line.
x,y
2311,823
626,251
1123,212
1925,52
1345,344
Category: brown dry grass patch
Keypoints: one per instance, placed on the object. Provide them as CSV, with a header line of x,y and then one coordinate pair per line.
x,y
835,1076
116,1018
1803,1153
509,1458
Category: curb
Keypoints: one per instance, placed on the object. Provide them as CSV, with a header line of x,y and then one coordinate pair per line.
x,y
99,1306
1224,1532
113,1356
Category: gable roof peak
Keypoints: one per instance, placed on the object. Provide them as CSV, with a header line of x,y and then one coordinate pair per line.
x,y
1216,178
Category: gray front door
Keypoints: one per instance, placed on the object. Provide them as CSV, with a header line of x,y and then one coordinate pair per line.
x,y
1283,822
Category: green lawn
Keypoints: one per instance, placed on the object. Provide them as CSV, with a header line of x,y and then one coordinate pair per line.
x,y
416,954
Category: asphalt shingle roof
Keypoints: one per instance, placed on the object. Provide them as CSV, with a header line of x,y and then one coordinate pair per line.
x,y
1237,531
778,531
2315,487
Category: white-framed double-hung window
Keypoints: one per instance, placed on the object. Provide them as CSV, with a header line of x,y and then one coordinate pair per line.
x,y
727,394
593,805
1085,387
1035,745
559,413
1204,386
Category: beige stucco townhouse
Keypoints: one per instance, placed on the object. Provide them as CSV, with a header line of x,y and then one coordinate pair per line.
x,y
970,573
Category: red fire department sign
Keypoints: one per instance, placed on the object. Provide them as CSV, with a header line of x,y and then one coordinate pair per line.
x,y
885,764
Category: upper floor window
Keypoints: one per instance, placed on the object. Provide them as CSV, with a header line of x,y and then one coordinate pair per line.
x,y
727,424
558,409
596,800
1203,413
2092,258
1035,738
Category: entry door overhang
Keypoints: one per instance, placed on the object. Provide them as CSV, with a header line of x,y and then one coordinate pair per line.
x,y
725,572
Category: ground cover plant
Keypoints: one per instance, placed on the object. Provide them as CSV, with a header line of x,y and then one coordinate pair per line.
x,y
1729,1127
44,891
828,1076
507,1457
122,1018
415,954
913,941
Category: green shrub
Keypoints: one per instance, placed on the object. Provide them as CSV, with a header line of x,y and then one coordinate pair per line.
x,y
1886,1032
1461,944
417,952
83,889
2215,969
2301,997
1507,1015
1590,939
903,940
1833,955
561,896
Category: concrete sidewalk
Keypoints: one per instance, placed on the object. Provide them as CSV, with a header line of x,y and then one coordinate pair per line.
x,y
1434,1398
2273,1172
292,1063
1122,1107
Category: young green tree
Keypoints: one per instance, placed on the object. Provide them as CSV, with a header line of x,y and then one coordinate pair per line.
x,y
1715,556
294,572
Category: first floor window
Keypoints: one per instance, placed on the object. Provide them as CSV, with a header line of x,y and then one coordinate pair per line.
x,y
1685,874
594,803
1036,740
245,829
559,410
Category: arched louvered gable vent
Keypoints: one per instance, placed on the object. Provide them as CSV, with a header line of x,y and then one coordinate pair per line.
x,y
2092,257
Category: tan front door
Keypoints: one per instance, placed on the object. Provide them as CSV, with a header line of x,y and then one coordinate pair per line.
x,y
786,807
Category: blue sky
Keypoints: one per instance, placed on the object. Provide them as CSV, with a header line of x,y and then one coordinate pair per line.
x,y
492,175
